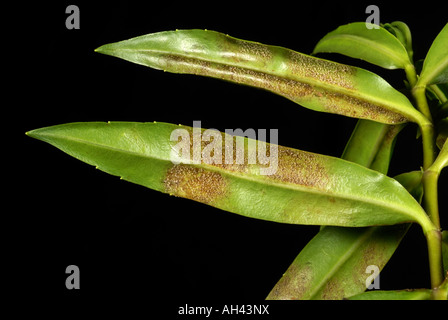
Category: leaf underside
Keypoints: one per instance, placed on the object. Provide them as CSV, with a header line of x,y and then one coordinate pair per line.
x,y
333,265
314,83
346,253
305,188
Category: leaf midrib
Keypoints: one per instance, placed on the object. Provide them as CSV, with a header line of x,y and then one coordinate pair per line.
x,y
375,46
295,77
341,261
435,72
402,210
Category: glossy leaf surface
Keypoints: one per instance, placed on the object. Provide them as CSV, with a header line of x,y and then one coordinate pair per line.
x,y
346,252
305,188
333,265
435,67
314,83
441,160
371,145
440,91
377,46
402,32
412,181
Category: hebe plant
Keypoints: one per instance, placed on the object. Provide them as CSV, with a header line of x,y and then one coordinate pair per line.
x,y
364,214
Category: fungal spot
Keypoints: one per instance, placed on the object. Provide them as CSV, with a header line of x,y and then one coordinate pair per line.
x,y
358,108
237,154
333,290
315,83
294,284
254,49
195,183
321,70
301,168
222,150
289,88
242,51
297,86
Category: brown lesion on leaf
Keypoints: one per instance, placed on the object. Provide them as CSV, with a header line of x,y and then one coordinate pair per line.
x,y
296,76
297,86
293,166
294,284
392,133
245,51
238,151
333,290
240,50
284,86
359,108
323,71
195,183
301,168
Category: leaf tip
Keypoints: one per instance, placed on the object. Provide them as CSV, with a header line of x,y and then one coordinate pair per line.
x,y
33,133
98,49
104,49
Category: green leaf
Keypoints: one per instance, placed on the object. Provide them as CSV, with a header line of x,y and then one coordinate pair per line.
x,y
412,181
435,67
371,144
376,45
333,265
396,32
440,92
314,83
442,159
384,154
442,128
402,33
301,188
416,294
365,141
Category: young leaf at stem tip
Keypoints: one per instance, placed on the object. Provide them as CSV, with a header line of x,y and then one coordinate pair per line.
x,y
406,38
376,45
435,66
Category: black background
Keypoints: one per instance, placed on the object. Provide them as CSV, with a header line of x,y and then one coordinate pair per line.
x,y
131,242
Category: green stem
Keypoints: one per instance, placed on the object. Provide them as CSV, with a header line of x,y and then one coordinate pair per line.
x,y
426,127
419,93
439,93
430,180
434,240
434,236
411,75
429,145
